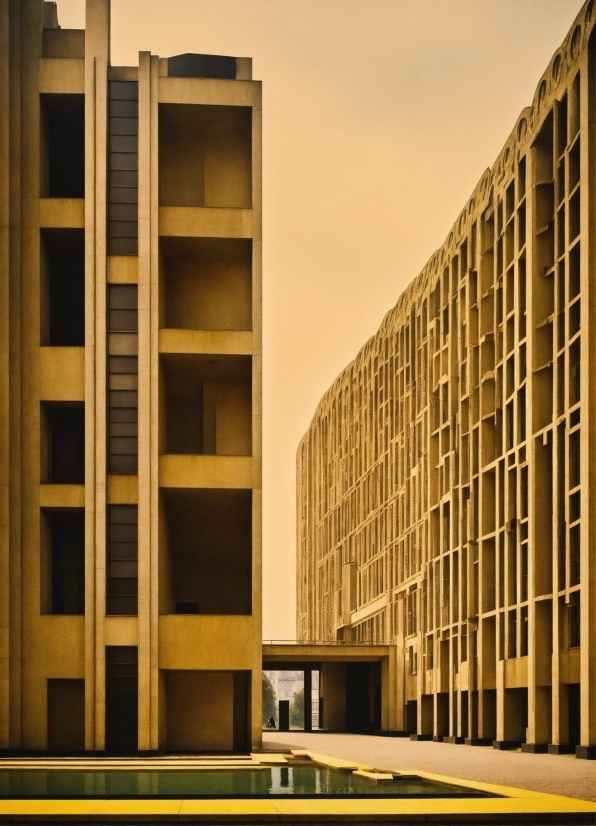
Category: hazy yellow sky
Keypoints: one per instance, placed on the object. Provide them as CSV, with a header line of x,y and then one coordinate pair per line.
x,y
379,118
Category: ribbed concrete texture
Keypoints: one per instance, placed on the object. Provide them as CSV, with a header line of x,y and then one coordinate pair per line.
x,y
445,497
561,774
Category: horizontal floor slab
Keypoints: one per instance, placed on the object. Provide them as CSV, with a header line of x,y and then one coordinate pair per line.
x,y
195,471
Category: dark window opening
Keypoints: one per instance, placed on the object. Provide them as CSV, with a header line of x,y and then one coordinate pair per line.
x,y
63,302
63,148
207,558
574,459
573,621
67,551
122,703
122,561
207,404
122,374
66,444
574,554
187,607
123,162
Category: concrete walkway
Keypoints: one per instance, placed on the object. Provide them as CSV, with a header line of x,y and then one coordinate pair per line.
x,y
555,774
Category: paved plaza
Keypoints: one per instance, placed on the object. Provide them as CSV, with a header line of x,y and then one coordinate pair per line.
x,y
561,774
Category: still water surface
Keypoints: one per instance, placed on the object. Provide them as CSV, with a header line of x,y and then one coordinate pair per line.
x,y
298,781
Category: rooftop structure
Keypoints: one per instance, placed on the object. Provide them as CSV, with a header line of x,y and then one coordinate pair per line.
x,y
445,486
130,391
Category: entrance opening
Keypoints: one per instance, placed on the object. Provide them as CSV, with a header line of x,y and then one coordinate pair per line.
x,y
516,714
573,698
66,715
411,716
122,702
358,718
442,714
292,698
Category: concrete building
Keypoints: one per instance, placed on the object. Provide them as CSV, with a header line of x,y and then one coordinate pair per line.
x,y
130,394
446,485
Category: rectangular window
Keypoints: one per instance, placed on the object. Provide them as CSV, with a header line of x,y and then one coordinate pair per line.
x,y
573,621
123,162
122,561
63,146
67,565
122,374
65,444
63,288
574,459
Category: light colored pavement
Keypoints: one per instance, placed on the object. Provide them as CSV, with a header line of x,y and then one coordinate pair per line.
x,y
555,774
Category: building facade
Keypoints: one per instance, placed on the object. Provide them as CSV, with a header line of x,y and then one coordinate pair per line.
x,y
446,484
130,392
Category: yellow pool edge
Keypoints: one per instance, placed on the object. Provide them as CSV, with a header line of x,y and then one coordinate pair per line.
x,y
513,804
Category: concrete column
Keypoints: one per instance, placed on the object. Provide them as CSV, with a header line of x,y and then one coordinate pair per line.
x,y
97,57
7,126
257,391
154,414
308,700
588,400
144,356
10,372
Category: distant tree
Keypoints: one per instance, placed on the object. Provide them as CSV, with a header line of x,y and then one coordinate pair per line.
x,y
297,709
269,701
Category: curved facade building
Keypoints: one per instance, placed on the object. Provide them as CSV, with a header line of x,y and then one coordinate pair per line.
x,y
446,484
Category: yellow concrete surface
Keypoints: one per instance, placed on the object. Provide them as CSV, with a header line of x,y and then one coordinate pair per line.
x,y
224,809
46,810
123,269
226,342
205,222
196,471
62,496
122,490
269,759
58,642
199,710
208,91
62,213
204,642
121,631
285,808
64,76
372,775
116,809
329,762
62,373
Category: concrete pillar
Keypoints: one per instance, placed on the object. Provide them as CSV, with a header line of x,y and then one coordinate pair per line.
x,y
97,58
308,699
